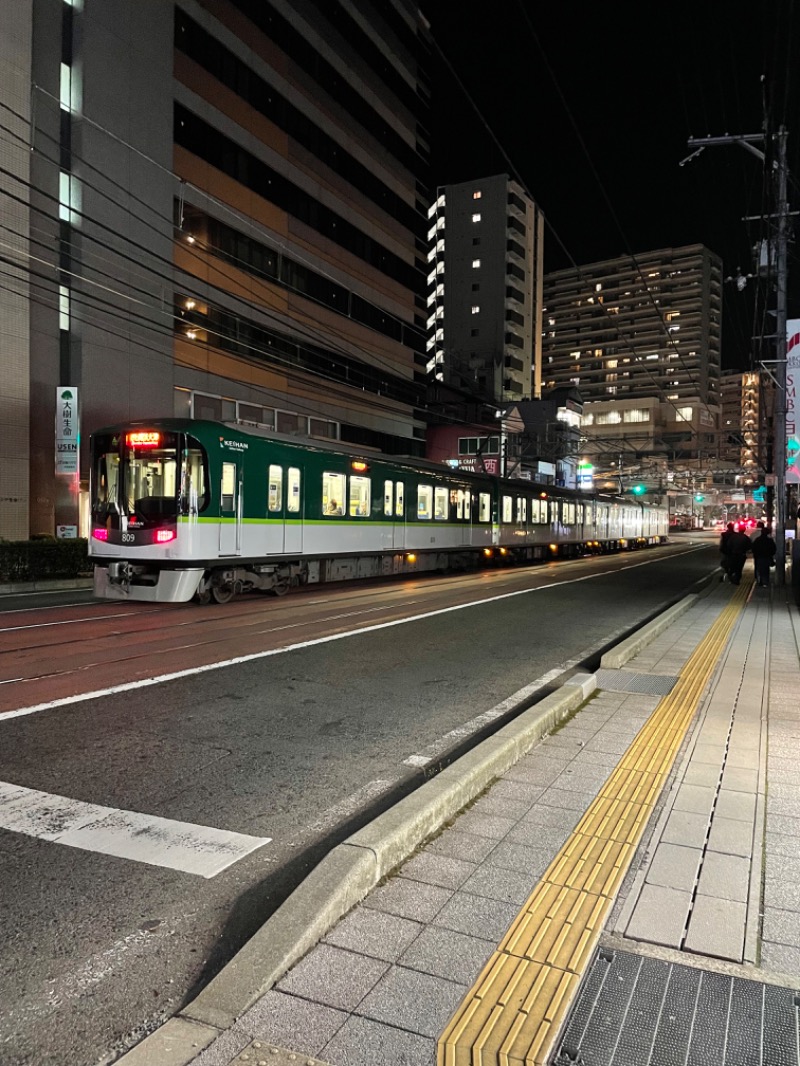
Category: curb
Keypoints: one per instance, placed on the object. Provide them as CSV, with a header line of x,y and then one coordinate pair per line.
x,y
344,877
618,656
54,585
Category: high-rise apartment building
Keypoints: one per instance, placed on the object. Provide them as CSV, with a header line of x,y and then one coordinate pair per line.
x,y
218,210
636,327
745,422
485,289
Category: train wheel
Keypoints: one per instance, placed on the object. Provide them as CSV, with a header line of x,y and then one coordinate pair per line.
x,y
281,587
202,597
222,593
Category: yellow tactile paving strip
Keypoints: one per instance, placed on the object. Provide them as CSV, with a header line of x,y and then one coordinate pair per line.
x,y
514,1012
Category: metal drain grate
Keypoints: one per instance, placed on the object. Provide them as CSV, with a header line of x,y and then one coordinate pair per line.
x,y
627,681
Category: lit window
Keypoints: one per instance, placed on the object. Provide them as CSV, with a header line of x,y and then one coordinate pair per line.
x,y
475,264
475,309
275,488
476,195
476,217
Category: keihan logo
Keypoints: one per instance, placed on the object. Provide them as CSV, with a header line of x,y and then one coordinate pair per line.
x,y
238,444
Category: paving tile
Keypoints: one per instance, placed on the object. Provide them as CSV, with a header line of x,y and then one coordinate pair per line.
x,y
659,916
333,977
413,1001
373,933
701,773
485,825
362,1042
711,752
612,743
516,791
582,780
781,927
291,1022
716,927
674,866
571,801
497,807
785,803
786,777
778,844
780,958
477,915
684,827
533,773
546,827
697,799
408,899
781,867
787,825
437,870
740,779
458,845
445,953
785,895
225,1048
731,837
521,857
507,886
738,805
725,877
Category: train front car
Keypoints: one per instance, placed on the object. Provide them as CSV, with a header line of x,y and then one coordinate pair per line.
x,y
148,487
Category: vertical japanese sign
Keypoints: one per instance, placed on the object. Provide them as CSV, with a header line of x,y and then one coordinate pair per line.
x,y
68,436
792,410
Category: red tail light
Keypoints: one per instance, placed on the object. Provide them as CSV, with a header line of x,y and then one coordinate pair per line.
x,y
100,534
163,536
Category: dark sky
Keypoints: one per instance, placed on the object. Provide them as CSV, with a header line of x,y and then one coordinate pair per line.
x,y
593,105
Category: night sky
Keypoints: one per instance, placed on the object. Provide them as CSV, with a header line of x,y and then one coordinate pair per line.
x,y
593,107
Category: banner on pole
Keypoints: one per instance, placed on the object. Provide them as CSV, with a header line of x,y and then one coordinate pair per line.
x,y
792,385
68,434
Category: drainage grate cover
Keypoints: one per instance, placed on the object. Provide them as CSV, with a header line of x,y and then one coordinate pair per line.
x,y
638,1011
627,681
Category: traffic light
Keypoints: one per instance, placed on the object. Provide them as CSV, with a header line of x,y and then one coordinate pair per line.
x,y
699,497
638,490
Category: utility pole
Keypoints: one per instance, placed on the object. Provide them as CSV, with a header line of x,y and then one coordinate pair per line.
x,y
780,172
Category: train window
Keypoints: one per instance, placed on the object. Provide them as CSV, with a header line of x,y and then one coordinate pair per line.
x,y
293,490
507,509
521,516
388,497
460,504
194,497
333,491
360,490
569,514
399,503
440,508
228,487
484,507
424,501
275,488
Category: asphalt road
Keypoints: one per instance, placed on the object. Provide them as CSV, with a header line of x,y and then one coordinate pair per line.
x,y
300,746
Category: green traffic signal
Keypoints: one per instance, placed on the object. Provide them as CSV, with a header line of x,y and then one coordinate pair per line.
x,y
639,490
699,497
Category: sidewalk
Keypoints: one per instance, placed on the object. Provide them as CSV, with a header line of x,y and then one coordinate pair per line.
x,y
632,858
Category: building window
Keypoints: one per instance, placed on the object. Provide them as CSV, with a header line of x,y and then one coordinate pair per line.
x,y
476,217
636,414
476,195
476,240
476,287
475,264
474,333
475,309
684,414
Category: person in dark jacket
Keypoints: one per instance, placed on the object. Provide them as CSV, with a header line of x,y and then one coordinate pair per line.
x,y
723,546
736,547
763,548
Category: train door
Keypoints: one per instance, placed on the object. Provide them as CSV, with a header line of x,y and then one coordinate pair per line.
x,y
284,507
399,523
230,509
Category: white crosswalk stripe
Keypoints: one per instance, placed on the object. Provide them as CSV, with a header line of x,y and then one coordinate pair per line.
x,y
193,849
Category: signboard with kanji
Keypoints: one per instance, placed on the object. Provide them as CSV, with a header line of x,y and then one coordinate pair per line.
x,y
792,385
68,436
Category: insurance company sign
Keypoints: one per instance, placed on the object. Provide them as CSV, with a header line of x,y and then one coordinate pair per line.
x,y
792,408
68,431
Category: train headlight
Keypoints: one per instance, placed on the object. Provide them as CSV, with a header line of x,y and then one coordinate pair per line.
x,y
553,547
487,552
411,558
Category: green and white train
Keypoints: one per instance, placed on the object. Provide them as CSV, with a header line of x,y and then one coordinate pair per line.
x,y
184,509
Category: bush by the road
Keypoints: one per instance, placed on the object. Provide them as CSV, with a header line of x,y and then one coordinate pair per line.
x,y
40,560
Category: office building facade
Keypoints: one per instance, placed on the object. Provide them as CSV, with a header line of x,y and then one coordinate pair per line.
x,y
221,209
484,293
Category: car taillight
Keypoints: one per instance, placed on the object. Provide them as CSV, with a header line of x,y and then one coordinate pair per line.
x,y
100,534
163,536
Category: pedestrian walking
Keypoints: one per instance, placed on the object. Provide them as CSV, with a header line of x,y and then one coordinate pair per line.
x,y
763,548
736,547
723,547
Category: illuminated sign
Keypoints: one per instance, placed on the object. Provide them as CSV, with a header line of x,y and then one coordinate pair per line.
x,y
143,439
68,436
792,385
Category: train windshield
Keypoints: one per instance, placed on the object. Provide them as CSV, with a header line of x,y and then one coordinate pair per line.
x,y
148,475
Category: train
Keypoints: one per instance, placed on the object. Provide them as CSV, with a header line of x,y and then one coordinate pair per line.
x,y
185,509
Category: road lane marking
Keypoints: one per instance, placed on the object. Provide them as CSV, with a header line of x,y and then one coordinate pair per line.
x,y
184,846
178,675
340,812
